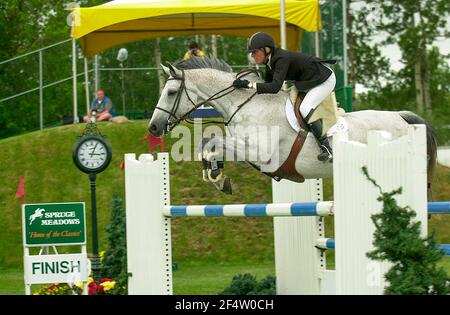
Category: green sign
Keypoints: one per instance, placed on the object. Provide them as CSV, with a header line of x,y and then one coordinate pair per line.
x,y
49,224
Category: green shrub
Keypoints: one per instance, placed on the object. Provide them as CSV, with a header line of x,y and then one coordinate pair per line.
x,y
246,284
114,263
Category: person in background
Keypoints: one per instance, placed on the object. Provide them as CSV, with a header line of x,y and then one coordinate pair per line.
x,y
194,50
103,106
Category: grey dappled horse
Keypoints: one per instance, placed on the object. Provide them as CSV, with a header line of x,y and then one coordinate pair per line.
x,y
198,81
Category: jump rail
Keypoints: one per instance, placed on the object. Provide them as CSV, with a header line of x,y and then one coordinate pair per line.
x,y
294,209
329,243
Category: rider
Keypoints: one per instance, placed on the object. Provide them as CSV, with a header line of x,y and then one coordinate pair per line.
x,y
309,73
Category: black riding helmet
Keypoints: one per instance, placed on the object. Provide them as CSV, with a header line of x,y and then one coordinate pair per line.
x,y
260,40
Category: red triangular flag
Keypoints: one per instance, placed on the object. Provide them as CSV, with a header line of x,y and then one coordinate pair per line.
x,y
21,190
154,141
122,165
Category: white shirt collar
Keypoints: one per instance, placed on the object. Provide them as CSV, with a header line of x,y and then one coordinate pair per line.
x,y
268,60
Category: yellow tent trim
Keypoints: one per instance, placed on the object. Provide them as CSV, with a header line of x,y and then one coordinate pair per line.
x,y
111,24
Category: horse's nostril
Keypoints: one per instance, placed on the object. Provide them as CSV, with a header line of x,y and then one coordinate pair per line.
x,y
153,127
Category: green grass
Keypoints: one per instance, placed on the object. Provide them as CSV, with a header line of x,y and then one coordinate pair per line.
x,y
214,278
11,281
198,278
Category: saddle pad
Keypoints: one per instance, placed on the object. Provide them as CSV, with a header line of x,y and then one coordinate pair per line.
x,y
290,115
341,124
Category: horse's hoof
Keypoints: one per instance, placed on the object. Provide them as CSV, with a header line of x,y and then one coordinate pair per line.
x,y
215,173
227,189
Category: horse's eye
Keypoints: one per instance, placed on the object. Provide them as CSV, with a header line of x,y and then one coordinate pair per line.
x,y
171,92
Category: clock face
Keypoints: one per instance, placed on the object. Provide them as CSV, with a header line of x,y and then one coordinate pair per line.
x,y
92,154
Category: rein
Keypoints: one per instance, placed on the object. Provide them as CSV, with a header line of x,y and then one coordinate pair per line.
x,y
172,113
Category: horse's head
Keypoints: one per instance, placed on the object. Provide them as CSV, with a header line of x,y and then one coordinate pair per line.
x,y
177,100
182,94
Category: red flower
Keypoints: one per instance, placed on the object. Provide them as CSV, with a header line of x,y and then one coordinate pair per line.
x,y
93,287
52,287
96,287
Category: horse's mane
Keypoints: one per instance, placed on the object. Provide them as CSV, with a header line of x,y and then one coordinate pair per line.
x,y
206,62
211,62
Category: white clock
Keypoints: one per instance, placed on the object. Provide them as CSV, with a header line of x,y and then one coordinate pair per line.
x,y
92,154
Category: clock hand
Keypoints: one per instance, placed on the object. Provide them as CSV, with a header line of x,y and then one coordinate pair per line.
x,y
93,150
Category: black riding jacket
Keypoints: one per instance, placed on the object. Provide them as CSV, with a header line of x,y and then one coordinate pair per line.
x,y
307,71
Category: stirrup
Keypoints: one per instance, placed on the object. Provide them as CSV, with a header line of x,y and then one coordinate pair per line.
x,y
326,151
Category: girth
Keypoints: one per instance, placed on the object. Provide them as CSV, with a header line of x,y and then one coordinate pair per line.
x,y
287,169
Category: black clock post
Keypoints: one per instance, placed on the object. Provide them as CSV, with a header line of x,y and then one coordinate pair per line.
x,y
95,261
92,154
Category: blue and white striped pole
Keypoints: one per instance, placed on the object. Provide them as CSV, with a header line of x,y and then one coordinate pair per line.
x,y
439,207
329,243
325,243
322,208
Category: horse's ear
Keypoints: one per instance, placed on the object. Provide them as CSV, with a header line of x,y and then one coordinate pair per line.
x,y
174,72
165,69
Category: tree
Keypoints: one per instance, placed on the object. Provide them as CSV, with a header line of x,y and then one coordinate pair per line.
x,y
366,65
24,27
414,26
414,259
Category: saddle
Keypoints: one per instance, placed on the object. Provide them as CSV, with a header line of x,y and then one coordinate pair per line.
x,y
329,112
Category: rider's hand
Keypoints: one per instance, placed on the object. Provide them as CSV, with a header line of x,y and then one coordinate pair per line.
x,y
241,84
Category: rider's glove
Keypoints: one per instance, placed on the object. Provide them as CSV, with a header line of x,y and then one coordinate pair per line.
x,y
241,84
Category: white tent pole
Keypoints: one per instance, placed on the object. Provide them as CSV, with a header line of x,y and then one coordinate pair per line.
x,y
86,84
344,35
41,91
317,42
74,81
96,73
282,24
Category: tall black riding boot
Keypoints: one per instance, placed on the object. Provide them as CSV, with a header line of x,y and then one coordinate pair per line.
x,y
327,152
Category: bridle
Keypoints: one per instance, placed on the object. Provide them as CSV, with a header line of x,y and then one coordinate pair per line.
x,y
171,123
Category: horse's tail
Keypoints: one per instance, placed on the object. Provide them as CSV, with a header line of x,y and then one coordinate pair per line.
x,y
412,118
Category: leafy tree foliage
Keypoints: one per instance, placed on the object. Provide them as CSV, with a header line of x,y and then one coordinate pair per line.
x,y
414,259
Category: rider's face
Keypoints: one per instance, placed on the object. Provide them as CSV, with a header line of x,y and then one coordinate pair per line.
x,y
259,56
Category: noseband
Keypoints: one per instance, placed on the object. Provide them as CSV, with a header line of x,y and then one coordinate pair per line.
x,y
171,123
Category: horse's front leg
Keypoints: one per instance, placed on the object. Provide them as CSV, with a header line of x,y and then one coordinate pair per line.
x,y
211,152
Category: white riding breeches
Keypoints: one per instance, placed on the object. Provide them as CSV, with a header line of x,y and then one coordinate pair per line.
x,y
317,94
